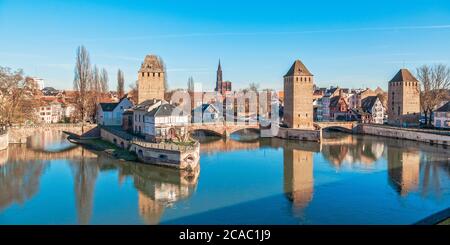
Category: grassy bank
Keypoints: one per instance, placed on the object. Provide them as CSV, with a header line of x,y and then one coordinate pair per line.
x,y
445,222
109,148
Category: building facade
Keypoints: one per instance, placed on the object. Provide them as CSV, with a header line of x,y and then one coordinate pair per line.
x,y
338,108
298,97
404,99
111,114
373,110
442,116
157,120
151,79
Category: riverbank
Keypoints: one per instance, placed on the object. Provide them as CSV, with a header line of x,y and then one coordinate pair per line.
x,y
106,147
422,135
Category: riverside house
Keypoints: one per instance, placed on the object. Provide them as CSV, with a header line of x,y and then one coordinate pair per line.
x,y
157,120
111,114
442,116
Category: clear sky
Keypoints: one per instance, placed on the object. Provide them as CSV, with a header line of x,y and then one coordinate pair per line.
x,y
347,43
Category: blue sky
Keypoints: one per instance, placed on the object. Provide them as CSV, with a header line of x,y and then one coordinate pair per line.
x,y
347,43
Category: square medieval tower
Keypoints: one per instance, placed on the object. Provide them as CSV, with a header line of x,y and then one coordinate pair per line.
x,y
151,79
404,99
298,97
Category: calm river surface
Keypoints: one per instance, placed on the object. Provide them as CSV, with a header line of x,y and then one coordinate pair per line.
x,y
345,180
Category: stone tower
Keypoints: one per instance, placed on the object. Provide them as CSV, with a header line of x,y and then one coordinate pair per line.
x,y
404,99
298,97
151,79
219,79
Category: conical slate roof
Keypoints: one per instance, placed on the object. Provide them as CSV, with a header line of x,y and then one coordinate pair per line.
x,y
298,69
404,75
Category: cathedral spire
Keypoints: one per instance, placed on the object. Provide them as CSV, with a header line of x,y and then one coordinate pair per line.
x,y
219,79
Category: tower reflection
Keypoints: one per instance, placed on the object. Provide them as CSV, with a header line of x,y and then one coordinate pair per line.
x,y
298,177
403,169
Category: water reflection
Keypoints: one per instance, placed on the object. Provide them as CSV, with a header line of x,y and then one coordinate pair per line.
x,y
356,152
298,177
157,187
403,169
19,180
308,175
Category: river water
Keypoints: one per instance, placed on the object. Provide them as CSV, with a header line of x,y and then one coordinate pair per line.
x,y
348,179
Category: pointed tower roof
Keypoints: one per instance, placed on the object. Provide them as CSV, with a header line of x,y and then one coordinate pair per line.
x,y
403,75
298,69
220,67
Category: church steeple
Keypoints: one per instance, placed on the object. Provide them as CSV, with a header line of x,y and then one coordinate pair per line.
x,y
219,79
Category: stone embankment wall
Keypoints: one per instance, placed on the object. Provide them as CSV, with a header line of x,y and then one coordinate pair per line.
x,y
19,134
429,136
3,140
300,134
165,154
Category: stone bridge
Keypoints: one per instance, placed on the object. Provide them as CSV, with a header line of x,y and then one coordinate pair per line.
x,y
342,126
222,128
20,134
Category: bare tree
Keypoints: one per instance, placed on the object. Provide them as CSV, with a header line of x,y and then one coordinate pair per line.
x,y
166,83
95,85
435,81
253,87
120,84
104,80
83,83
17,97
190,84
134,92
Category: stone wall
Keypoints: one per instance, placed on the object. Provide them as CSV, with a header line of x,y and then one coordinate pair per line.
x,y
300,134
112,138
3,140
182,157
409,134
19,134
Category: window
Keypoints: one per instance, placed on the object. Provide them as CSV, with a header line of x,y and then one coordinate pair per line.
x,y
143,74
398,111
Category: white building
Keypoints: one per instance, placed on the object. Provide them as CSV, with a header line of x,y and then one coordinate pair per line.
x,y
38,82
110,114
374,109
50,112
442,116
157,120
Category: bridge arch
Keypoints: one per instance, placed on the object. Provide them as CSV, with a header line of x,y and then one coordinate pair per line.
x,y
206,132
340,126
238,130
